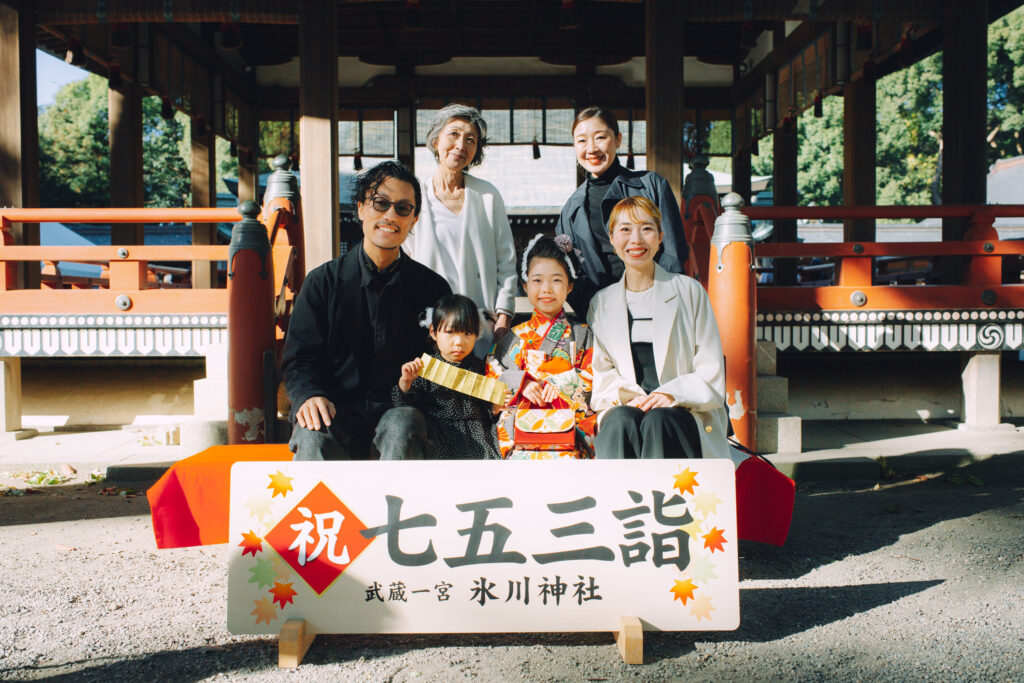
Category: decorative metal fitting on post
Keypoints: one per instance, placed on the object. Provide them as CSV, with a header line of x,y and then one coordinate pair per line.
x,y
858,249
123,302
732,225
249,233
858,298
699,181
282,183
988,247
122,253
988,297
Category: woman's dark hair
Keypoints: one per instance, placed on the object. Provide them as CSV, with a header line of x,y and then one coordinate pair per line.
x,y
369,180
596,111
558,248
456,313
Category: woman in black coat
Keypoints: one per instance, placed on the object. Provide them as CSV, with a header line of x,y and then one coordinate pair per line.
x,y
584,218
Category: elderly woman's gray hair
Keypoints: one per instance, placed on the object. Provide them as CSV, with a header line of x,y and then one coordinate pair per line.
x,y
469,114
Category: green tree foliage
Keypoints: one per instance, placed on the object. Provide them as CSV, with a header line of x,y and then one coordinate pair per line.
x,y
1006,86
909,127
74,152
909,106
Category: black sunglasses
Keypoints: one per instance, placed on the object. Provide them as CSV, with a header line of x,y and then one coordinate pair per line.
x,y
402,208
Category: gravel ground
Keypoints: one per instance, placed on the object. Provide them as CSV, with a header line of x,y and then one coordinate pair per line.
x,y
913,580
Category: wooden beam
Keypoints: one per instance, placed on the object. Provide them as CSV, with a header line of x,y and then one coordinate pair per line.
x,y
248,153
784,148
664,91
859,136
204,194
125,123
318,128
19,136
964,109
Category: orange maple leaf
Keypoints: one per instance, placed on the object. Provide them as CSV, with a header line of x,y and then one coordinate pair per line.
x,y
683,590
279,483
264,611
283,593
702,608
685,481
251,543
714,539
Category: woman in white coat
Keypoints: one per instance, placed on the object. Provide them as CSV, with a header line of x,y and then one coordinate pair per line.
x,y
463,232
659,373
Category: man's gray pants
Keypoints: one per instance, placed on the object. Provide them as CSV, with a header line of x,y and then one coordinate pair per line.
x,y
401,434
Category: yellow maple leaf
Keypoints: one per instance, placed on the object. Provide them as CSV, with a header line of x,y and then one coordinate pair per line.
x,y
280,484
685,481
693,529
264,611
701,607
683,590
706,503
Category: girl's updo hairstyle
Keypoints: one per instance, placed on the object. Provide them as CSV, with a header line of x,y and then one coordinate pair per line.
x,y
596,111
455,313
558,248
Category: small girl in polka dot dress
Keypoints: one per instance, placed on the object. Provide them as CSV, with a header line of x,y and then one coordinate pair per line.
x,y
459,427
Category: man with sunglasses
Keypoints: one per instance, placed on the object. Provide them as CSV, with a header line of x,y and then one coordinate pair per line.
x,y
355,321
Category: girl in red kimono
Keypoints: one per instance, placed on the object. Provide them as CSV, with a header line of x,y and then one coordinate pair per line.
x,y
546,363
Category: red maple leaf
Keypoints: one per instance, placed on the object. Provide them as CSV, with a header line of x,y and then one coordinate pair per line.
x,y
251,543
283,593
685,481
683,590
714,539
280,484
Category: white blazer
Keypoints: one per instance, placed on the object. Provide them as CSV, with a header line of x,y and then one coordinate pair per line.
x,y
687,354
486,260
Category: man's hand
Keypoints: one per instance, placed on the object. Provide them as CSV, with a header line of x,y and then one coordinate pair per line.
x,y
501,325
410,371
314,412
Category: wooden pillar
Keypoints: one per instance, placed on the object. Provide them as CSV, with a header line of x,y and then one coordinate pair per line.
x,y
19,135
741,174
784,148
964,108
664,89
318,128
405,134
125,122
248,154
859,137
204,194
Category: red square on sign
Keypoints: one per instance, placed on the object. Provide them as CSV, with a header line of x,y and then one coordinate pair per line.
x,y
319,538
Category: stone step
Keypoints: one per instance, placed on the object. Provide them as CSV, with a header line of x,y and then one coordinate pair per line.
x,y
766,358
772,394
778,433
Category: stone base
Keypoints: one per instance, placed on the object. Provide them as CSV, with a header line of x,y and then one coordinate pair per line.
x,y
772,394
1002,427
198,434
17,435
779,433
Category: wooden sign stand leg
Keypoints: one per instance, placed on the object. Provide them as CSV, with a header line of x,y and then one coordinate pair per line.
x,y
293,643
630,640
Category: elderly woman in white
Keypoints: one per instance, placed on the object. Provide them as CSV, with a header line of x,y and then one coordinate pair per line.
x,y
659,373
463,231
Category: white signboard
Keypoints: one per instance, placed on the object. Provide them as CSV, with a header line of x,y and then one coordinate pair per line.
x,y
483,546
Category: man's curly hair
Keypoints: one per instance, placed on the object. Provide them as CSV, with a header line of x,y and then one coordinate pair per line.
x,y
369,180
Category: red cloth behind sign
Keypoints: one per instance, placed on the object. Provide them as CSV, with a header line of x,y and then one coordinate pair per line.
x,y
189,504
764,502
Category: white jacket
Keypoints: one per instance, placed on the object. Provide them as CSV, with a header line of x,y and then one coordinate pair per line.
x,y
486,262
687,354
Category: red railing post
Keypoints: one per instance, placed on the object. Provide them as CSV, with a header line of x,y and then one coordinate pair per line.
x,y
731,288
250,328
283,194
699,206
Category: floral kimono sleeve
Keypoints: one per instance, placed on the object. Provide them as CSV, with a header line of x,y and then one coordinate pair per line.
x,y
505,364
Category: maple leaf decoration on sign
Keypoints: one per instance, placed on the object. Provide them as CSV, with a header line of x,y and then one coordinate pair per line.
x,y
685,481
280,484
714,539
264,610
251,543
283,593
701,607
683,590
